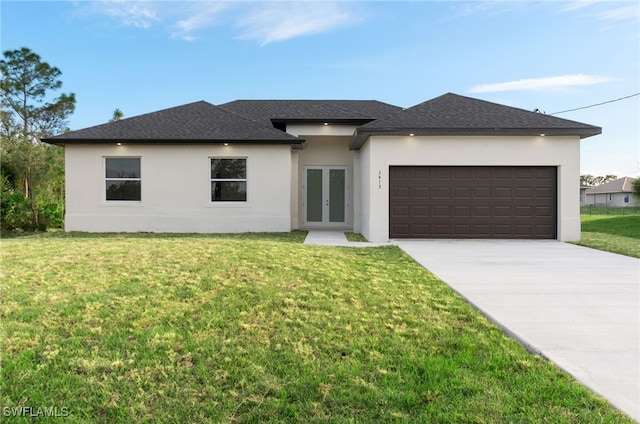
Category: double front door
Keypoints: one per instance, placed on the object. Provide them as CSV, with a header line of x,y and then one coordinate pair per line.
x,y
326,196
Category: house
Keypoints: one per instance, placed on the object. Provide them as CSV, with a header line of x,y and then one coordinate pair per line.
x,y
451,167
616,193
583,194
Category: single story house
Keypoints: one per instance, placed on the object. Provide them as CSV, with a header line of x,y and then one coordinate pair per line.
x,y
583,194
616,193
451,167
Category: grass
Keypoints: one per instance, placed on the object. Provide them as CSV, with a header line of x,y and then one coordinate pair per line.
x,y
612,233
357,237
258,328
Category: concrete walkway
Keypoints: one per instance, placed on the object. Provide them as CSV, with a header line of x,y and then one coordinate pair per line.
x,y
335,238
578,307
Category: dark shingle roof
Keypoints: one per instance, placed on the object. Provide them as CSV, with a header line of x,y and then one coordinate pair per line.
x,y
452,114
621,185
198,122
252,121
335,111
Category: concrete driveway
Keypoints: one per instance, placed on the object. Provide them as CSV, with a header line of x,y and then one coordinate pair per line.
x,y
579,307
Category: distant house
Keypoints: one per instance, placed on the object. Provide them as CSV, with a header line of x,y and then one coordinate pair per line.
x,y
583,194
451,167
617,193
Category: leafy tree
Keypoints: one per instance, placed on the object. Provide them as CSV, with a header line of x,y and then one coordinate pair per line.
x,y
595,180
117,115
635,187
31,168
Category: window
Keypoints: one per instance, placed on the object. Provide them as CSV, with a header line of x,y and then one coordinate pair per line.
x,y
626,198
122,176
228,180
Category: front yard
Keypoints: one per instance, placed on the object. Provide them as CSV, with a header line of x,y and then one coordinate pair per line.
x,y
258,328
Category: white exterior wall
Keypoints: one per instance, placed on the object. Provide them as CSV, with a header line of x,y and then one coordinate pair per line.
x,y
381,152
615,200
176,190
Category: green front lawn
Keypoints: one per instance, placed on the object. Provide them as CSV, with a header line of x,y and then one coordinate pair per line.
x,y
612,233
259,328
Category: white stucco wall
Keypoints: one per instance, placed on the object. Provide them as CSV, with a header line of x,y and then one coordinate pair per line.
x,y
176,190
381,152
610,199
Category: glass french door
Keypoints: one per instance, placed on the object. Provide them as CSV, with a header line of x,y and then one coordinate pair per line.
x,y
325,195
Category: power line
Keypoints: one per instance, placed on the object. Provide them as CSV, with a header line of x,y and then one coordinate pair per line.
x,y
597,104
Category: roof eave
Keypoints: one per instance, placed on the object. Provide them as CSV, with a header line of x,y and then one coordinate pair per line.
x,y
361,134
63,142
320,121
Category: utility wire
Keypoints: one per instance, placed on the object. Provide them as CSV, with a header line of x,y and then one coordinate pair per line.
x,y
597,104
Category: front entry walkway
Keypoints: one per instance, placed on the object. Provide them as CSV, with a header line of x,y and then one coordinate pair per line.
x,y
578,307
335,238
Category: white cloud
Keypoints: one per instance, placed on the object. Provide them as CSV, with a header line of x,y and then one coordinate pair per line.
x,y
278,21
201,15
264,21
605,9
547,83
129,13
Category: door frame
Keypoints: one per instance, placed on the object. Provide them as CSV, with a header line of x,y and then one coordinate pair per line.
x,y
325,196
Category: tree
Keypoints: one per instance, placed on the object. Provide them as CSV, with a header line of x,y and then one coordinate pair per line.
x,y
635,187
117,115
29,114
596,180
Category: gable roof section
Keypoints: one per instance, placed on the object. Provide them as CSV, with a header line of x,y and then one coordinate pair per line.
x,y
621,185
452,114
267,112
198,122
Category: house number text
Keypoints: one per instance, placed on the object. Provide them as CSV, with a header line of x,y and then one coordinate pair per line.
x,y
379,180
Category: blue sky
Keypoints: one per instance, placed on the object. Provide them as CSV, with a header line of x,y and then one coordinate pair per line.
x,y
142,56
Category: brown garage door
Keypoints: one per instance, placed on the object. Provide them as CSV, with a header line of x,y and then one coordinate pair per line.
x,y
472,202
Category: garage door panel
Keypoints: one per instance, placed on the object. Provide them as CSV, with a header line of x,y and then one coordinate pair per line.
x,y
441,193
400,211
482,211
502,193
482,192
441,211
420,211
523,192
462,211
523,211
544,193
501,211
462,193
420,192
441,173
401,192
473,202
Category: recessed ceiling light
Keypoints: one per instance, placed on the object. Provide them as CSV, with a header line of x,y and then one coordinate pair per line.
x,y
326,123
411,135
118,144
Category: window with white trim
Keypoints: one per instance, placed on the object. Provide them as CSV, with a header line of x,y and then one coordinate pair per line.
x,y
228,179
123,181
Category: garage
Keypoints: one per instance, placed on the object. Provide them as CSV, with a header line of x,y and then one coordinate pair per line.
x,y
502,202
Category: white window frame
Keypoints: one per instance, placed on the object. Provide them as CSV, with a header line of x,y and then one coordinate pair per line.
x,y
104,186
245,180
